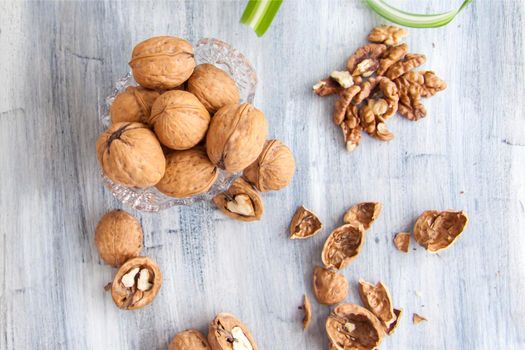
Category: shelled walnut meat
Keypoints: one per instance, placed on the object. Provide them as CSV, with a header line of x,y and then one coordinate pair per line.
x,y
131,155
330,287
133,105
189,339
226,332
342,246
118,237
136,283
437,230
304,224
240,202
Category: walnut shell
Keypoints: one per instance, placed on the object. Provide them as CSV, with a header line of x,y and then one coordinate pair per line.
x,y
236,136
225,329
307,308
377,299
118,237
213,87
179,119
273,169
330,287
390,329
130,154
133,105
240,201
188,173
162,62
189,339
437,230
342,246
140,292
363,213
352,327
304,224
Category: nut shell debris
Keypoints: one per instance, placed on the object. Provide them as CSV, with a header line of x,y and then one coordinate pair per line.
x,y
342,246
438,230
304,224
307,308
363,214
390,329
330,287
402,241
417,319
377,299
240,202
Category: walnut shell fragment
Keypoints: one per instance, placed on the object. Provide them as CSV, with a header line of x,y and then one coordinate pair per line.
x,y
226,332
307,308
363,213
417,319
352,327
133,105
402,241
273,169
304,224
390,329
388,35
342,246
377,299
240,201
330,287
437,230
189,339
118,237
136,283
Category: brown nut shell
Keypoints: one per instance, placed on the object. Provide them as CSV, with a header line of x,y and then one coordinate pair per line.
x,y
131,155
363,213
377,299
390,329
223,331
118,237
236,136
402,241
188,173
162,62
133,105
213,87
180,120
131,298
273,169
189,339
330,287
342,246
437,230
304,224
352,327
240,202
307,308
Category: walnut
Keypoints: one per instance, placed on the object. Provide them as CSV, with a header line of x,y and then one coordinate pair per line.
x,y
363,214
240,201
366,89
409,62
330,287
342,246
402,241
417,319
388,35
390,329
130,154
429,83
136,283
190,339
343,103
188,173
352,136
380,87
437,230
365,60
162,62
410,105
391,56
118,237
213,87
352,327
180,120
304,224
236,136
327,87
343,78
377,299
307,308
372,120
226,332
133,105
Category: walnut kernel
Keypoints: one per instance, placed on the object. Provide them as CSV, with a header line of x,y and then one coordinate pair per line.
x,y
368,56
409,62
388,35
343,78
330,287
304,224
327,87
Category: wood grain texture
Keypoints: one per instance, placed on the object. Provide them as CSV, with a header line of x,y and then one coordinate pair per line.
x,y
58,62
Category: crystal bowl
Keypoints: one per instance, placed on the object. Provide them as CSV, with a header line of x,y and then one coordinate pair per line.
x,y
207,50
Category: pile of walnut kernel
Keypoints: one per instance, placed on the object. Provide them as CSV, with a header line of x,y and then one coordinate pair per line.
x,y
379,81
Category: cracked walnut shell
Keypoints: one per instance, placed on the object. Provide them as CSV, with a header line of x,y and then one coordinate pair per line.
x,y
307,308
226,332
342,246
118,237
437,230
377,299
236,136
133,105
188,173
390,329
179,119
162,62
136,283
273,169
352,327
240,201
213,87
131,155
330,287
304,224
363,214
189,339
402,241
388,35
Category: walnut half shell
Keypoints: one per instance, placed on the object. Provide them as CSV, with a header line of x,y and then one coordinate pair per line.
x,y
304,224
240,202
363,213
226,332
437,230
377,299
342,246
330,287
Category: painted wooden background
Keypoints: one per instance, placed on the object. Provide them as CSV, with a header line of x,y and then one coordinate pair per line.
x,y
58,61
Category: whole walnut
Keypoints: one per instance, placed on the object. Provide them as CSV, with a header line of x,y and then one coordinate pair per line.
x,y
213,87
118,237
188,173
236,136
162,62
179,119
273,169
131,155
189,339
133,105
